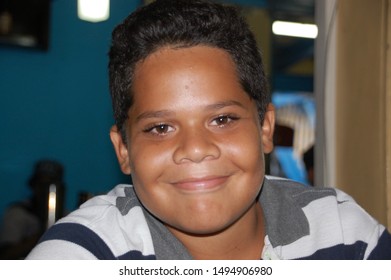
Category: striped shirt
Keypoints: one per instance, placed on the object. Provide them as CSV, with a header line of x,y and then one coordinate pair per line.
x,y
301,223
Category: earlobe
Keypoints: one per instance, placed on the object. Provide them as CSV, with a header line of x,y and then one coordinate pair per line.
x,y
121,150
268,129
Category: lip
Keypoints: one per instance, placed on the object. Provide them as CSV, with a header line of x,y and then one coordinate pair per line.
x,y
203,184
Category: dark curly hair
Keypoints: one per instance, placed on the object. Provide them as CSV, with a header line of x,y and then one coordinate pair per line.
x,y
182,24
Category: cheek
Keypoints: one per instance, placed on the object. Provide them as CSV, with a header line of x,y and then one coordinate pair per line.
x,y
245,149
147,162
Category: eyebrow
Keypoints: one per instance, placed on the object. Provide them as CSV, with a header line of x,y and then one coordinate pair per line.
x,y
168,113
155,114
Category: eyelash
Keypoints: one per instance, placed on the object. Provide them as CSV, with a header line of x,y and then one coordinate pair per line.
x,y
229,119
150,129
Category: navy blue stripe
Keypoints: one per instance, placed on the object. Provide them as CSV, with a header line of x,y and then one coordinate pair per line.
x,y
89,240
340,252
82,236
382,250
136,255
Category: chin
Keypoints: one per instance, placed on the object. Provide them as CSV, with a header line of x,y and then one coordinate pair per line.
x,y
201,228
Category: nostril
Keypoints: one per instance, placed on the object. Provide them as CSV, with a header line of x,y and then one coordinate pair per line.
x,y
195,147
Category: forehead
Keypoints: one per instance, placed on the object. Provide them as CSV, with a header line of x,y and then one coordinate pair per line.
x,y
177,56
185,71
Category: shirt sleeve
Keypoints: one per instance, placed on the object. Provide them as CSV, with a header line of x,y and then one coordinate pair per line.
x,y
382,250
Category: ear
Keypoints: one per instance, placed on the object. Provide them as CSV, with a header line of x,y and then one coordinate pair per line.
x,y
121,150
268,129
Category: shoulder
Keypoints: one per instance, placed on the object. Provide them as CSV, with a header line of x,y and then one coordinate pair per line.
x,y
304,196
318,222
285,197
109,226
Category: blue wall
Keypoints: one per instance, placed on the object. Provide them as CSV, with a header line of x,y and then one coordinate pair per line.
x,y
56,104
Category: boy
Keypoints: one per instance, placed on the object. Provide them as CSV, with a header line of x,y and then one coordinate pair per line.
x,y
193,122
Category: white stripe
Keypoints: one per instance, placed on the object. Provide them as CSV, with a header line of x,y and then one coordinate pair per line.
x,y
64,250
120,233
332,224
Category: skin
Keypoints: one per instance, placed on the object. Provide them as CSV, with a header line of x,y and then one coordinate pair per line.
x,y
195,149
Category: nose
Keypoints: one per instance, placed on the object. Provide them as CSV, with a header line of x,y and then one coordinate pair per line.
x,y
196,145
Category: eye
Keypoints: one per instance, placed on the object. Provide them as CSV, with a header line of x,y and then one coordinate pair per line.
x,y
159,129
224,120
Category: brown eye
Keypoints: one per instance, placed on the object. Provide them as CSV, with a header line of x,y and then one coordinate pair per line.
x,y
162,129
159,129
224,120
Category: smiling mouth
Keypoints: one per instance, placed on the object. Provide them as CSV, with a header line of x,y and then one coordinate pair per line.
x,y
204,184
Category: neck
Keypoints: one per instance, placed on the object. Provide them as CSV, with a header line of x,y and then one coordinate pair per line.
x,y
242,240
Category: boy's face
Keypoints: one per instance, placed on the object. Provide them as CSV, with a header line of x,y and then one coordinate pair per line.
x,y
195,144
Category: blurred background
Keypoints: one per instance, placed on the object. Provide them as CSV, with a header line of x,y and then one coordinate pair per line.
x,y
331,91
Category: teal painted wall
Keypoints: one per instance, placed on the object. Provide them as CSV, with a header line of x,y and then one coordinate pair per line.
x,y
56,104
